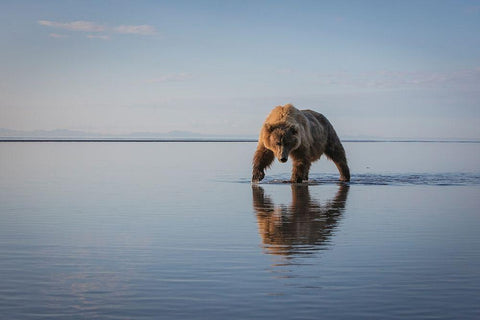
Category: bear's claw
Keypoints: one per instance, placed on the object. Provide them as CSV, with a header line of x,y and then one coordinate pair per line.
x,y
258,176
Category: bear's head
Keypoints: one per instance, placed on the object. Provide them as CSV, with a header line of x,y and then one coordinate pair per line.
x,y
281,139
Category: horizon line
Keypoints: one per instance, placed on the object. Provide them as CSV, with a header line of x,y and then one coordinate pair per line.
x,y
224,140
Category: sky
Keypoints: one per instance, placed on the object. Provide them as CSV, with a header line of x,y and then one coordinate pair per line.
x,y
404,69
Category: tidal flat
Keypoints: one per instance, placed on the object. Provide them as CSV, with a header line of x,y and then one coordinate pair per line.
x,y
175,230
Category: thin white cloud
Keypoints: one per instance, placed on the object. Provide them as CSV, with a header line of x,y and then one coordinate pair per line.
x,y
85,26
140,29
472,9
90,26
285,71
98,36
58,36
396,79
172,77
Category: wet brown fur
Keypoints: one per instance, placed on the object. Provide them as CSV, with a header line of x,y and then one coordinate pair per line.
x,y
303,136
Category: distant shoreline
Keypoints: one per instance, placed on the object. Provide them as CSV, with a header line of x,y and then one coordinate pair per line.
x,y
127,140
218,140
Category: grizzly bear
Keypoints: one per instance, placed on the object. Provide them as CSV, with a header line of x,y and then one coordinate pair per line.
x,y
302,135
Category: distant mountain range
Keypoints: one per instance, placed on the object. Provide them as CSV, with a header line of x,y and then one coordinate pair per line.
x,y
76,134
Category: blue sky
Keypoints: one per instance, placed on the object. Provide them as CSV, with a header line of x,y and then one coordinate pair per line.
x,y
375,68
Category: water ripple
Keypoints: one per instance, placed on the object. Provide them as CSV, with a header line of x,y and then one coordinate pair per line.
x,y
428,179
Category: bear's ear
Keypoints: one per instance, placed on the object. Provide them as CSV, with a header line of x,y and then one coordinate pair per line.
x,y
293,130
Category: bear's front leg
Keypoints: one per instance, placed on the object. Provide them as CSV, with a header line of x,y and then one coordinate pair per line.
x,y
262,159
300,171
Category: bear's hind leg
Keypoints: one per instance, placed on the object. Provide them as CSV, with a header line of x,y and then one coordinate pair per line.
x,y
300,171
344,170
341,162
337,155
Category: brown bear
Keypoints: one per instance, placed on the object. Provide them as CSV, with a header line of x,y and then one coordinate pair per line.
x,y
302,135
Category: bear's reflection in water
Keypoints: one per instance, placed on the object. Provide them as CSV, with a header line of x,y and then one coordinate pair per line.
x,y
303,227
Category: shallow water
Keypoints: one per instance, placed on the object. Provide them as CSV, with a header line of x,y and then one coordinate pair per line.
x,y
176,231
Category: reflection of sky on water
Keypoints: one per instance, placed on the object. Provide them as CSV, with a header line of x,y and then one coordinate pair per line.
x,y
175,230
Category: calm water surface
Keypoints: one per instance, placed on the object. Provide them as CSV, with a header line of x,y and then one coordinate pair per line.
x,y
176,231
